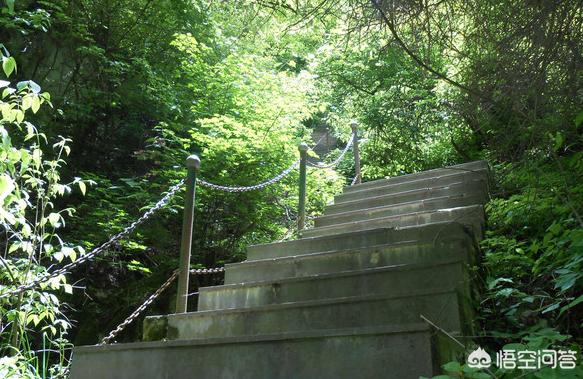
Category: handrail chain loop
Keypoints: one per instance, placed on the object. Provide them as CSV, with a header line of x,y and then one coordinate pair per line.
x,y
135,314
258,186
338,159
106,245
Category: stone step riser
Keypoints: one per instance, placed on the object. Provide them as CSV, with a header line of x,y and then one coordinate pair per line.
x,y
434,182
466,167
396,280
431,204
442,308
370,353
472,216
434,233
477,187
358,259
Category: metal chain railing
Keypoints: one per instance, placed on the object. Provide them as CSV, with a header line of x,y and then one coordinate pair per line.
x,y
135,314
193,164
258,186
338,159
203,271
86,257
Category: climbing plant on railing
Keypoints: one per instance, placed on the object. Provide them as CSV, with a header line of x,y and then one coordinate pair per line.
x,y
30,184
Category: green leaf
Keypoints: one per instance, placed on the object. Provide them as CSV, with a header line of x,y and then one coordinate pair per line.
x,y
8,65
4,83
68,288
10,6
19,115
575,302
82,187
452,367
35,104
35,88
26,102
59,256
559,140
6,187
8,91
54,219
551,308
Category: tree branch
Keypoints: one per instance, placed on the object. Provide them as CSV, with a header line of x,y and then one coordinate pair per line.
x,y
415,58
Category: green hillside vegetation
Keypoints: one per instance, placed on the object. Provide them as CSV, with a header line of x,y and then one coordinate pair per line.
x,y
101,102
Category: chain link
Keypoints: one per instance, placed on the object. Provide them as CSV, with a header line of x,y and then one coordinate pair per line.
x,y
338,159
88,256
276,178
203,271
271,181
135,314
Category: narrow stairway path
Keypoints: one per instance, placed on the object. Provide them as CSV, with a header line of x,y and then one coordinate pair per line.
x,y
343,301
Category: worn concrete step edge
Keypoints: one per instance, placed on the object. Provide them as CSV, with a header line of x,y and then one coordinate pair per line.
x,y
442,306
429,204
404,328
319,263
389,280
329,354
435,232
472,215
464,167
386,351
432,182
478,186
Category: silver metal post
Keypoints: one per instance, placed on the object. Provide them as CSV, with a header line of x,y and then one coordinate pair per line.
x,y
303,148
354,126
193,165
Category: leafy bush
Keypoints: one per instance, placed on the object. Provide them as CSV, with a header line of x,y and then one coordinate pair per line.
x,y
33,323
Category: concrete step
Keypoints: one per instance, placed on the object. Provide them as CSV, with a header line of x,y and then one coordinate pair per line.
x,y
437,181
475,186
347,312
351,259
435,233
394,280
472,216
390,352
431,204
464,167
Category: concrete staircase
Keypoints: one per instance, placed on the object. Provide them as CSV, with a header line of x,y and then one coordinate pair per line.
x,y
343,301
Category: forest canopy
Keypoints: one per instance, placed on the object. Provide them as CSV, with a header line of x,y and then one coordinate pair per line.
x,y
102,101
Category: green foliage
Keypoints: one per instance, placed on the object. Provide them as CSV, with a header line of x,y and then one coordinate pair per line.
x,y
136,103
535,338
30,185
533,258
406,126
139,85
534,250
